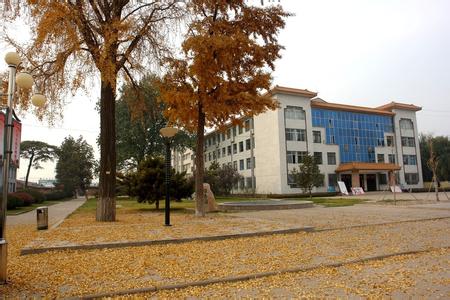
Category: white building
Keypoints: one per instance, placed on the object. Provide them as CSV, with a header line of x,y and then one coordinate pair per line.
x,y
359,145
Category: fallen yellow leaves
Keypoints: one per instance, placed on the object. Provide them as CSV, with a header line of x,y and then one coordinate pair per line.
x,y
70,273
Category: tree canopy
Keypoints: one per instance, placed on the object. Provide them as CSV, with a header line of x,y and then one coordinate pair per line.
x,y
75,41
227,57
441,149
37,152
138,129
76,163
308,176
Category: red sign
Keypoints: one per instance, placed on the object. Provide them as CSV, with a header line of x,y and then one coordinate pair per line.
x,y
17,131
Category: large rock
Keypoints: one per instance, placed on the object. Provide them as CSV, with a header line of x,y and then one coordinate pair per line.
x,y
210,200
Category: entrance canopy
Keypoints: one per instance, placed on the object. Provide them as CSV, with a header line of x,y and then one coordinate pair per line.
x,y
363,166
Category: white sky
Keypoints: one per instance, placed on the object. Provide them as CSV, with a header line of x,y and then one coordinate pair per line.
x,y
360,52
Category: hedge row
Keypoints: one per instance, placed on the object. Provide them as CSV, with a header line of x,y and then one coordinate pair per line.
x,y
29,197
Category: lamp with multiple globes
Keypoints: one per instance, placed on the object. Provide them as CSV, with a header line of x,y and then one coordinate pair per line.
x,y
23,80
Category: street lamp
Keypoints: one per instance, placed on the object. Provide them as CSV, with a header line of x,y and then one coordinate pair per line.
x,y
23,80
167,133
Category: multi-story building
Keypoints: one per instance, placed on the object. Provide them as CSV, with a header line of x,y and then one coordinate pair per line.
x,y
361,146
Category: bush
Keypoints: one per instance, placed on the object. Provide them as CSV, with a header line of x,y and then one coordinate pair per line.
x,y
37,196
25,197
13,202
56,195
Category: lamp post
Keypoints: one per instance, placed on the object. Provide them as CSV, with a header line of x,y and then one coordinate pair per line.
x,y
23,80
167,133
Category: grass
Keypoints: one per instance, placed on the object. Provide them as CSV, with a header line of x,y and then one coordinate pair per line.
x,y
130,204
333,202
24,209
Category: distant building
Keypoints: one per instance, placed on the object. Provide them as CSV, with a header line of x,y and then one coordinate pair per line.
x,y
15,155
47,182
364,147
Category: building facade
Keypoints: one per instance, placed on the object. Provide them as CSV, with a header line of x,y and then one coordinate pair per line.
x,y
364,147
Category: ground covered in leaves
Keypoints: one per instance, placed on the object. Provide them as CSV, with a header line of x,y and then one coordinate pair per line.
x,y
136,222
75,273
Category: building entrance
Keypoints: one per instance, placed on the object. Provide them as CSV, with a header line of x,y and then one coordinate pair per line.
x,y
347,179
371,182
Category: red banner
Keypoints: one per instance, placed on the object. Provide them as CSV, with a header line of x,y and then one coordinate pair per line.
x,y
17,131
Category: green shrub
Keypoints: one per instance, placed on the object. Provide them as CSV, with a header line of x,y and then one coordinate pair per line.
x,y
25,197
57,195
38,196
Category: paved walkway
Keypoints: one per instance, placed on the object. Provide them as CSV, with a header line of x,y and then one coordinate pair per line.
x,y
56,213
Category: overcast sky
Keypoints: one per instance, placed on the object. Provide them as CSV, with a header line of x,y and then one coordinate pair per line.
x,y
360,52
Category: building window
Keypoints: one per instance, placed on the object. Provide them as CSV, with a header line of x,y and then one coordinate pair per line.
x,y
390,141
229,149
235,165
317,137
234,148
291,157
249,182
241,146
295,157
408,141
224,152
318,158
412,178
228,133
301,155
247,144
406,124
330,123
247,125
218,153
410,160
241,164
234,131
382,178
249,163
240,129
295,134
380,158
332,179
209,156
242,183
331,158
294,113
391,158
332,139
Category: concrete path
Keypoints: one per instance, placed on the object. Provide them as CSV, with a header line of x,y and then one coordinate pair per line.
x,y
56,213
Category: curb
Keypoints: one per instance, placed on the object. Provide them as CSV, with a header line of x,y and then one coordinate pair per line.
x,y
230,279
379,224
27,251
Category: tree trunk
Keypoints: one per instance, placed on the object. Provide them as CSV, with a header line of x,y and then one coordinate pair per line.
x,y
436,186
106,203
200,165
28,170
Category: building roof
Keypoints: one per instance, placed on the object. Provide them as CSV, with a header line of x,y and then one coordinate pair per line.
x,y
397,105
353,108
363,166
291,91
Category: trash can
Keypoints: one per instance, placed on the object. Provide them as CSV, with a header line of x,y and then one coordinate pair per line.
x,y
42,217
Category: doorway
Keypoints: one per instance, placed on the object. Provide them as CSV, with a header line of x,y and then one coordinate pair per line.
x,y
371,182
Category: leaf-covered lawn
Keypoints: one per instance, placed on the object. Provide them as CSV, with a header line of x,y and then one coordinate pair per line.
x,y
71,273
